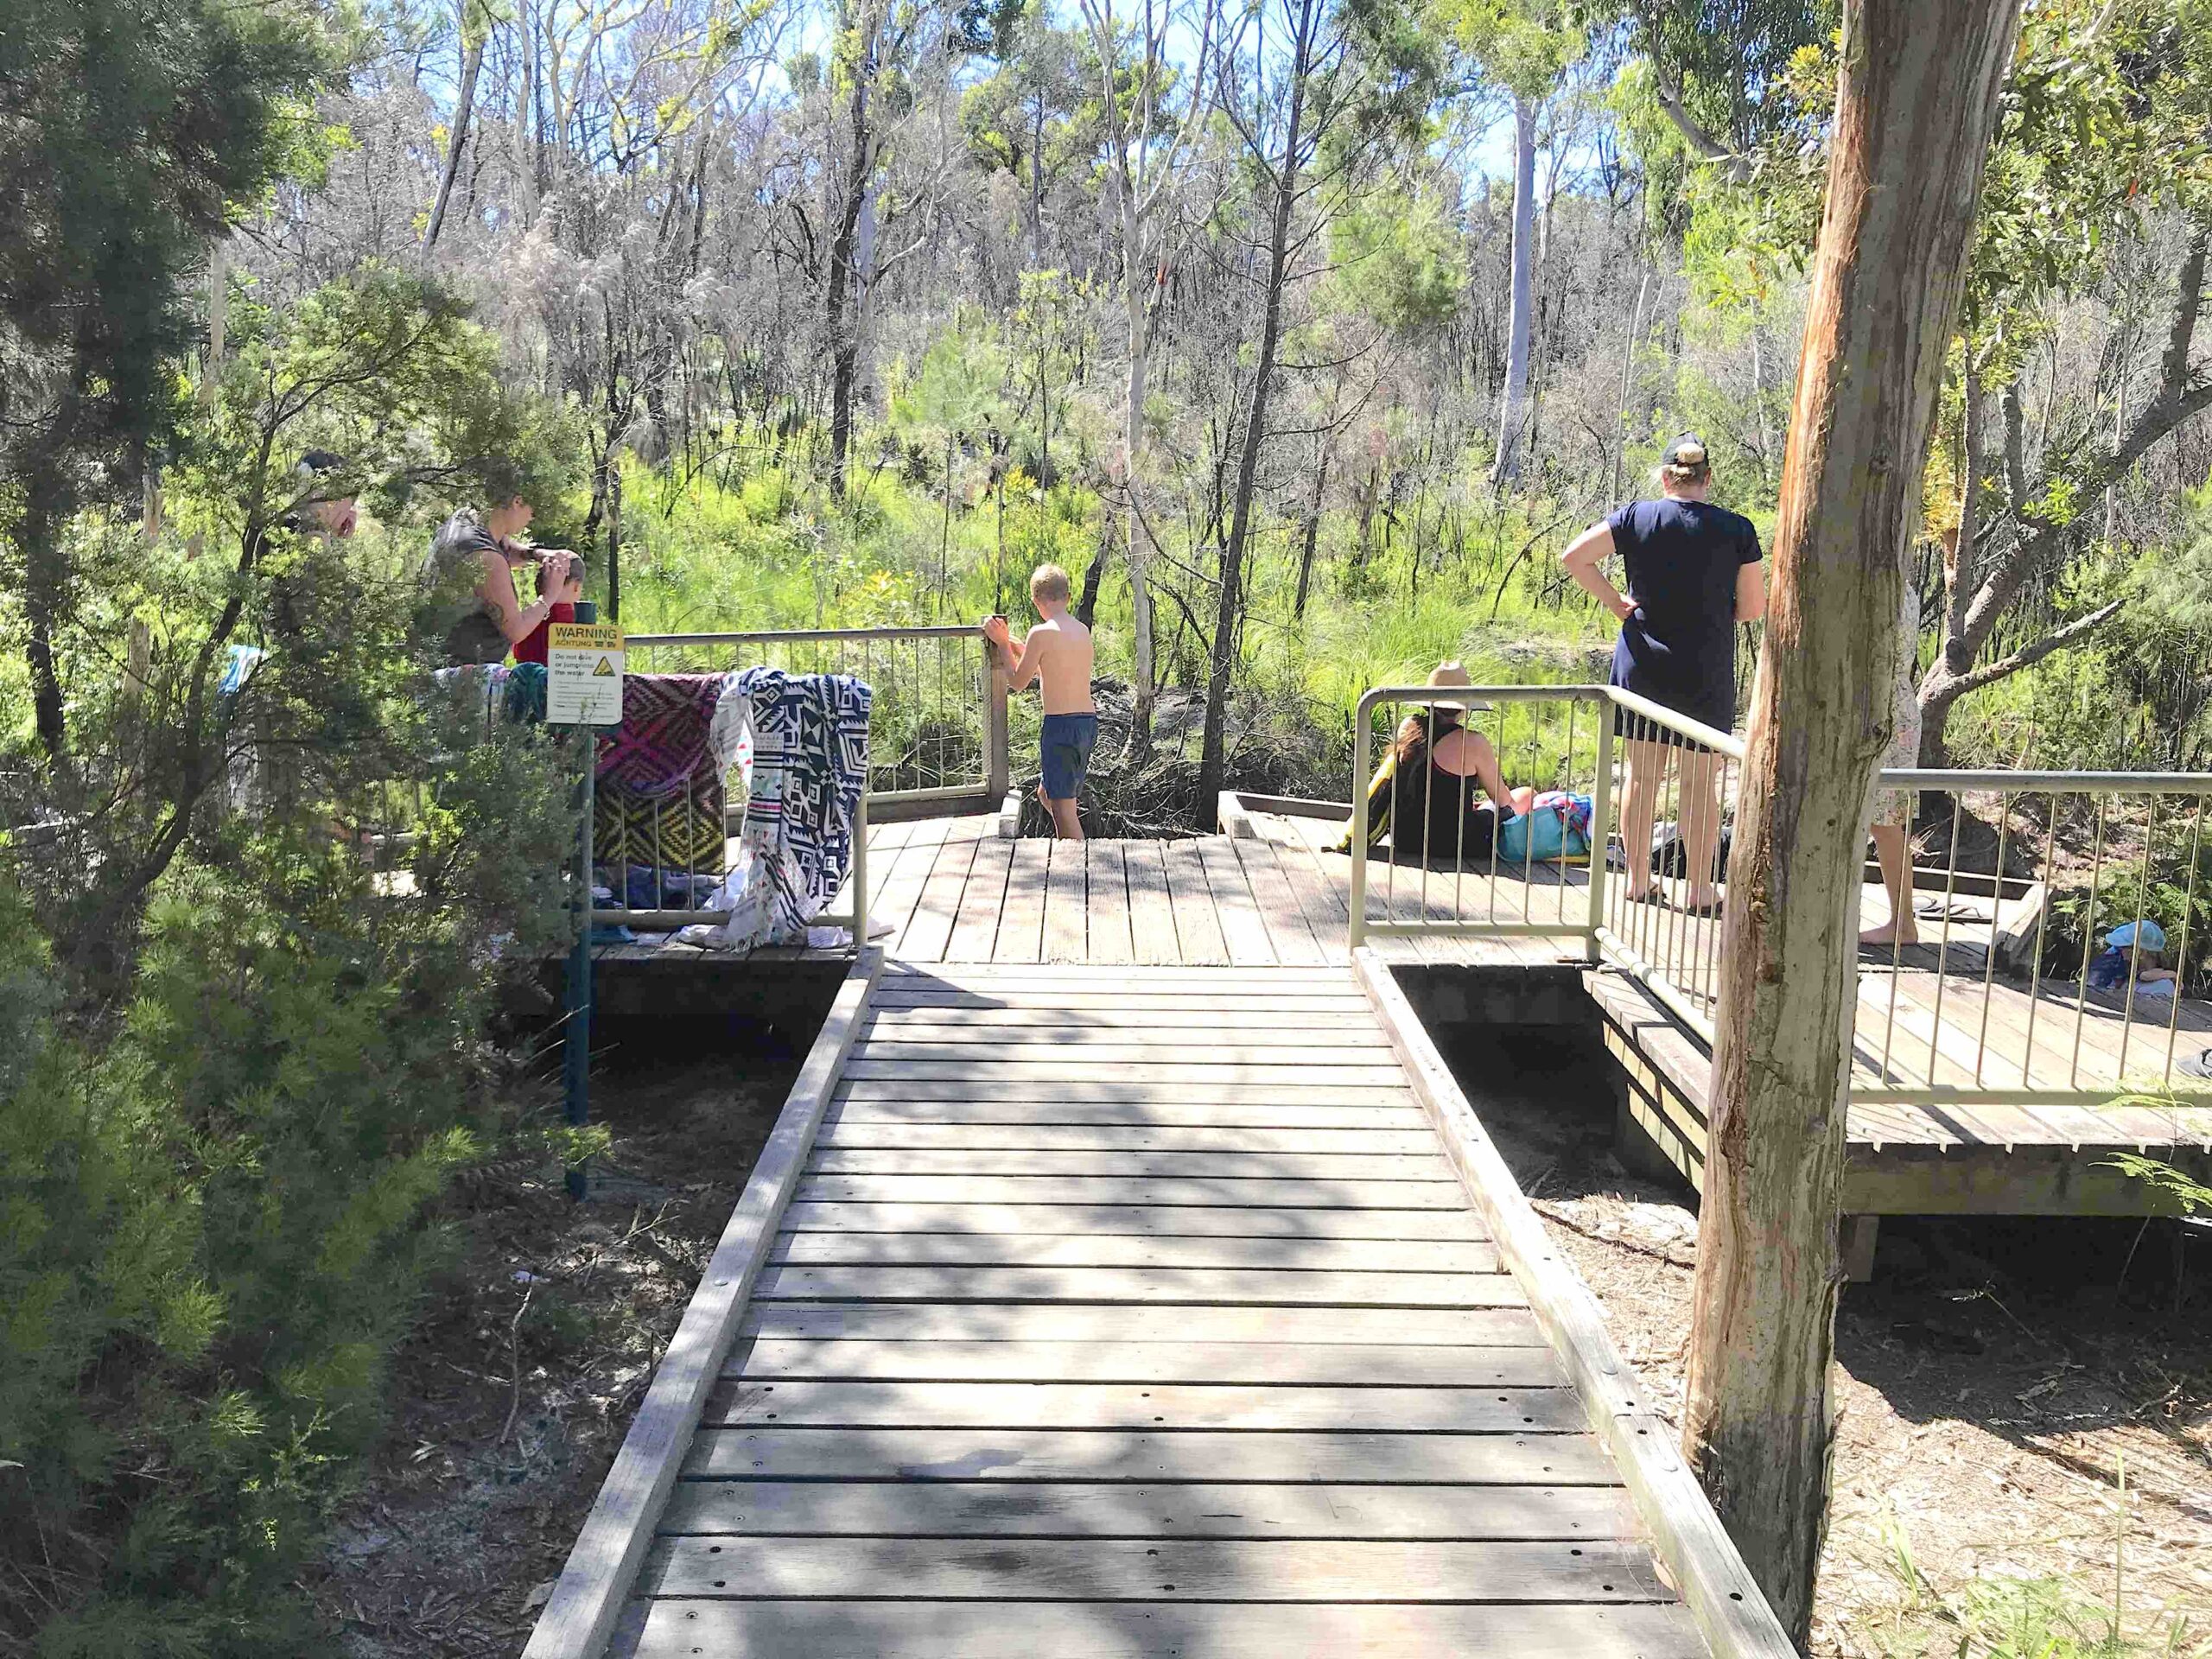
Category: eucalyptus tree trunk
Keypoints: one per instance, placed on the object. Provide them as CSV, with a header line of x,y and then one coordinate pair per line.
x,y
1213,744
1512,408
1143,666
472,60
1628,371
1916,101
845,296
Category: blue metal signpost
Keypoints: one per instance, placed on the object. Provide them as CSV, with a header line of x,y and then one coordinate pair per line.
x,y
576,1000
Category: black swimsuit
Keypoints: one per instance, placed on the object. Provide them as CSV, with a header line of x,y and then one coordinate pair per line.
x,y
1445,811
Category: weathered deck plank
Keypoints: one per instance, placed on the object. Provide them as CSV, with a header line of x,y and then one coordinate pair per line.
x,y
1021,916
975,931
1107,910
965,1213
1269,1364
1180,1406
913,1629
929,933
1067,903
1409,1142
775,1453
985,1508
1131,1569
1141,1250
1151,916
1146,1286
1197,924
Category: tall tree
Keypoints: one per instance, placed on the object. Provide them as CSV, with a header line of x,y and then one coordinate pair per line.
x,y
127,129
1344,80
1522,45
879,45
1513,401
1148,146
2105,138
1916,101
1714,62
473,29
858,60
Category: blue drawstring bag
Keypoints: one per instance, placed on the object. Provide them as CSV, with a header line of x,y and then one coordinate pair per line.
x,y
1555,829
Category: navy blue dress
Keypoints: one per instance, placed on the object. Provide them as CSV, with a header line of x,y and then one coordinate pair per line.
x,y
1678,647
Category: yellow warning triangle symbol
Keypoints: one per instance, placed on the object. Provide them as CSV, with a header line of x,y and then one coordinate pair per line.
x,y
605,666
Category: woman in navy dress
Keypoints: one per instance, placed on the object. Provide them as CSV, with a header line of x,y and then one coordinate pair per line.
x,y
1693,573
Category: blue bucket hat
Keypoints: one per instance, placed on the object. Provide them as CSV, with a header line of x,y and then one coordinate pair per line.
x,y
2145,935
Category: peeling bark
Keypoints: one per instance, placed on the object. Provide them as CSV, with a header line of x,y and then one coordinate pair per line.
x,y
1915,105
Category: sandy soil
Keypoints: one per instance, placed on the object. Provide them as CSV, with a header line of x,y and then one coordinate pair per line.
x,y
1995,1377
511,1397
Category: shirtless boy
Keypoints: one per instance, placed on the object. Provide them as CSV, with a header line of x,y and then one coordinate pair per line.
x,y
1057,652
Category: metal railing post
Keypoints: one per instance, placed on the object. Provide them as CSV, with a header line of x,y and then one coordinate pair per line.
x,y
575,1032
998,761
1601,829
1362,752
859,874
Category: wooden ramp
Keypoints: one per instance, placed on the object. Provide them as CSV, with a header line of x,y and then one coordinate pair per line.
x,y
1099,1311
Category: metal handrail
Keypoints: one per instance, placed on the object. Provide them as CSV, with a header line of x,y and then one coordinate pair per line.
x,y
1958,1057
1721,742
995,770
1963,780
804,636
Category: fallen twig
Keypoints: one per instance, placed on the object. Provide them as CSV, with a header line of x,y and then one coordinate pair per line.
x,y
1551,1212
514,1366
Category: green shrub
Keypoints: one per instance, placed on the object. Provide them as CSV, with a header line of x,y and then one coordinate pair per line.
x,y
215,1210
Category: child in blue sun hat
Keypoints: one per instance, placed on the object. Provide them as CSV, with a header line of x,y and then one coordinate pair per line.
x,y
2134,946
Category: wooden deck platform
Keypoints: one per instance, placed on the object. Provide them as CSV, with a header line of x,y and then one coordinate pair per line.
x,y
948,890
1049,1325
950,894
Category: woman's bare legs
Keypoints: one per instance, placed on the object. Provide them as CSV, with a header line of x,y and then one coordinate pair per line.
x,y
1647,764
1701,807
1897,876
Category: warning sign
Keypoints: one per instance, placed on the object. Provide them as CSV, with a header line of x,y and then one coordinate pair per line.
x,y
584,674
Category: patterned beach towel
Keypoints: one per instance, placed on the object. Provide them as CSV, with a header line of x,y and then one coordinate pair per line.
x,y
1555,829
680,832
810,764
661,746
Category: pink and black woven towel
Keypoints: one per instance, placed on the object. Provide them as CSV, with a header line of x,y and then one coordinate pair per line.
x,y
661,745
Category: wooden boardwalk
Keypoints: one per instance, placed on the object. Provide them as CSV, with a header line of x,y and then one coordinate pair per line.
x,y
1095,1312
950,893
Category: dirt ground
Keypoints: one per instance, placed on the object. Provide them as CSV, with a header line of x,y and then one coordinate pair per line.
x,y
1995,1377
535,1349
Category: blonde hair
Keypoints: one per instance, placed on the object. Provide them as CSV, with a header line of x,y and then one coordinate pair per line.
x,y
1685,463
1050,583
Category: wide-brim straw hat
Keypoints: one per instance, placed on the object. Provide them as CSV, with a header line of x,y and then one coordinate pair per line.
x,y
1455,673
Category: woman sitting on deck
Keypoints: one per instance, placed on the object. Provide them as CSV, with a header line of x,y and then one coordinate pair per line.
x,y
1425,795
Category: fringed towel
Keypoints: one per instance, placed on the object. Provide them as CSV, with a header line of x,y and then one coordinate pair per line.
x,y
809,737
